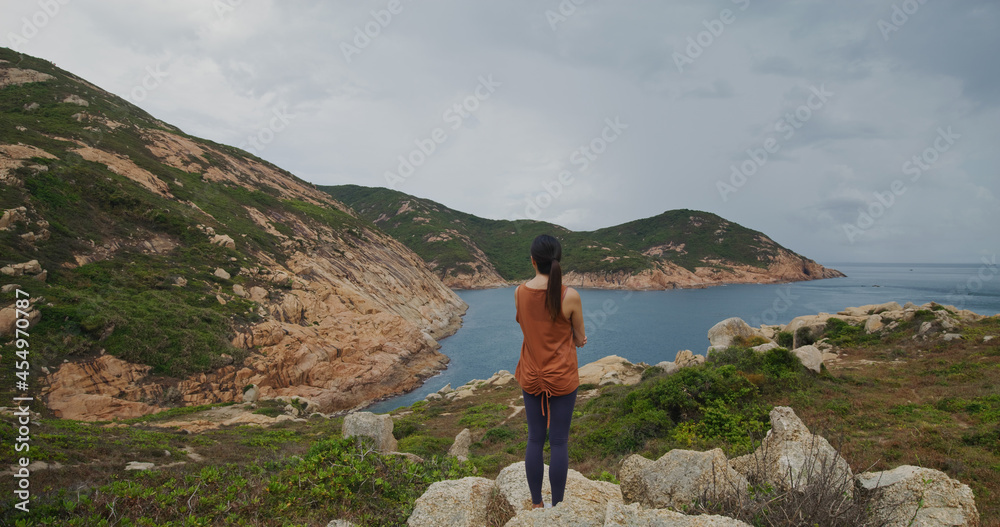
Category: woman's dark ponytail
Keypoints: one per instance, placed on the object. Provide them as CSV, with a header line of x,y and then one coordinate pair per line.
x,y
547,252
553,296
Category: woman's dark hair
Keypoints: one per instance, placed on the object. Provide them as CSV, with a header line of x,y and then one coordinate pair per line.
x,y
547,252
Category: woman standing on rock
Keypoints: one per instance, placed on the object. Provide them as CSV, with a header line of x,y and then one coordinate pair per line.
x,y
551,318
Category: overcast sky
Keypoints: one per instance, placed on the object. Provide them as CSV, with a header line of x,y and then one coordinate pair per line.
x,y
786,117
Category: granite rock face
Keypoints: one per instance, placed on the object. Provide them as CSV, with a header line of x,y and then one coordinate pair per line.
x,y
921,497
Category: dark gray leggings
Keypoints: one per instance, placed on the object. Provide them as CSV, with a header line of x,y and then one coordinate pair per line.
x,y
561,409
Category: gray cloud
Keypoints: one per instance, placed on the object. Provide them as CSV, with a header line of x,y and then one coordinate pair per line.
x,y
354,114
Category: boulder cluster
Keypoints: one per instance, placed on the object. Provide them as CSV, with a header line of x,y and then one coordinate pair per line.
x,y
807,332
790,459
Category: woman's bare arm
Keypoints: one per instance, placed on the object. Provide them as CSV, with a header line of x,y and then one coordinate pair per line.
x,y
574,305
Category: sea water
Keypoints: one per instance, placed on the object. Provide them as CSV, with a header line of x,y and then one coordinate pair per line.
x,y
652,326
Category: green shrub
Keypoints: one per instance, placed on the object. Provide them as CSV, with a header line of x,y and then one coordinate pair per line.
x,y
499,434
424,446
840,333
786,339
485,415
652,371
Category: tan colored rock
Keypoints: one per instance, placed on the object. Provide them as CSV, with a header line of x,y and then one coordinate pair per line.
x,y
125,167
221,273
377,427
15,76
626,372
500,378
871,309
632,515
763,348
459,503
460,448
916,496
258,294
12,216
630,475
727,332
686,358
100,389
9,316
790,457
680,478
589,498
811,357
224,240
218,417
786,267
76,99
874,324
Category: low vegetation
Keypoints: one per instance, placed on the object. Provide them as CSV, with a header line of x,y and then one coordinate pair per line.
x,y
902,401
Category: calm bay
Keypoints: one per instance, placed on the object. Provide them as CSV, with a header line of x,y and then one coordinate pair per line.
x,y
652,326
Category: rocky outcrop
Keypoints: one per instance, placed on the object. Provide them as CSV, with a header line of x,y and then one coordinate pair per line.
x,y
921,496
683,359
585,501
786,267
459,503
610,370
729,332
10,76
790,457
460,448
679,478
101,389
633,515
13,157
791,460
350,315
880,318
378,428
811,357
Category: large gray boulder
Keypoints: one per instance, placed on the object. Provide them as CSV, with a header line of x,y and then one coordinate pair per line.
x,y
584,502
459,503
377,427
460,448
790,457
921,497
679,478
725,333
621,515
811,357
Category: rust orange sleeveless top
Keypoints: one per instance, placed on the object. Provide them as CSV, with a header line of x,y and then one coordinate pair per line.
x,y
548,362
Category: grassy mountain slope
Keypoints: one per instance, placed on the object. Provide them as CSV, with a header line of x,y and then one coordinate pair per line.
x,y
685,238
129,218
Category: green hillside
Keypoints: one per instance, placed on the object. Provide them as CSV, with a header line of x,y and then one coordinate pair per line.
x,y
91,227
684,237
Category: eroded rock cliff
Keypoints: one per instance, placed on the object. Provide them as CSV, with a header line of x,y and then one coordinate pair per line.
x,y
786,267
338,311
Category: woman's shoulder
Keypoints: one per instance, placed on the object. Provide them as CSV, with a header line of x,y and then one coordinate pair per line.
x,y
570,294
